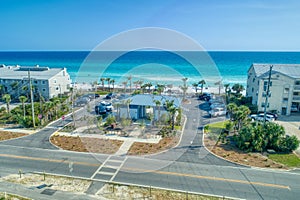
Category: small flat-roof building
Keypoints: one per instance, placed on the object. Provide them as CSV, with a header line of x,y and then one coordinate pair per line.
x,y
47,82
284,87
140,103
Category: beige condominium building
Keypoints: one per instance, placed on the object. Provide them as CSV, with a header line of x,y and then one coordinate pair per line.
x,y
46,82
284,94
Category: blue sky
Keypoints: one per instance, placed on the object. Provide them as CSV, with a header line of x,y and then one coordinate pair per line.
x,y
215,24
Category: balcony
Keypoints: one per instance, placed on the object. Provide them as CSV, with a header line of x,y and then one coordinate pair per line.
x,y
296,98
297,88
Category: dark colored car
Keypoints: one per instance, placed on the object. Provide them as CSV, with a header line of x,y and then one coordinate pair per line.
x,y
205,96
100,110
97,95
111,96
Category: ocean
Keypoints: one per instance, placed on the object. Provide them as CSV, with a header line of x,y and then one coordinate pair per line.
x,y
151,66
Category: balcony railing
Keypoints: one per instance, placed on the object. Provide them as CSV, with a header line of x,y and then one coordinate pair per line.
x,y
296,98
297,87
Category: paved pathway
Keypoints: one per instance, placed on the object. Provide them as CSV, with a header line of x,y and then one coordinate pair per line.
x,y
124,147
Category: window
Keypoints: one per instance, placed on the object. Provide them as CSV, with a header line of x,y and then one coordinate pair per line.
x,y
286,90
297,82
57,88
253,80
54,81
35,82
43,82
44,89
252,89
285,99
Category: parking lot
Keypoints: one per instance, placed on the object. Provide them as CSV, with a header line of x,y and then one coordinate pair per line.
x,y
291,124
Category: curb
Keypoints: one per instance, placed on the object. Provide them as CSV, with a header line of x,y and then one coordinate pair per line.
x,y
154,154
137,185
243,165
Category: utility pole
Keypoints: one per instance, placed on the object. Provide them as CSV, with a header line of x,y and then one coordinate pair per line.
x,y
267,93
31,97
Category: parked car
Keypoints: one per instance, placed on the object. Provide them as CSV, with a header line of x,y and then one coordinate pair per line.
x,y
294,108
260,117
82,101
111,96
107,105
205,96
99,109
218,111
270,113
217,104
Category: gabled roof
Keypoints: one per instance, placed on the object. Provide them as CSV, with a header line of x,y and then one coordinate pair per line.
x,y
17,72
291,70
149,100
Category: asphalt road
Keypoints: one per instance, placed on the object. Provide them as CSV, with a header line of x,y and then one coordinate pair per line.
x,y
188,167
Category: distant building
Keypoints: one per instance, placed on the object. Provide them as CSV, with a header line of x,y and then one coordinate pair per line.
x,y
47,82
284,87
142,104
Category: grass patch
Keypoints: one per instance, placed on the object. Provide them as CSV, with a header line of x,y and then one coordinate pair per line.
x,y
216,127
290,160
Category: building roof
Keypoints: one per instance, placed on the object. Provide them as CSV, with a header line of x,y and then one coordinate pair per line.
x,y
36,72
291,70
149,100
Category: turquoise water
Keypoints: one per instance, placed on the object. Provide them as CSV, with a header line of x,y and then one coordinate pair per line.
x,y
153,66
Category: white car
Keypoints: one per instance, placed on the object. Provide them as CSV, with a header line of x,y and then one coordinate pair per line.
x,y
108,106
217,105
218,111
260,117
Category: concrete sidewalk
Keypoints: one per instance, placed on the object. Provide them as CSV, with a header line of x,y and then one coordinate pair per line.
x,y
42,194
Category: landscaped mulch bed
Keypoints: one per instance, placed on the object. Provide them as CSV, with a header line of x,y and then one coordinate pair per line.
x,y
6,135
141,148
84,144
232,153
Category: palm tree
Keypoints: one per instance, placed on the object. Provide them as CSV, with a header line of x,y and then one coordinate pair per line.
x,y
23,99
7,99
125,85
219,83
15,87
184,87
113,83
231,108
56,103
238,88
108,83
202,82
149,85
1,89
195,85
160,88
102,82
172,111
227,91
129,78
128,101
157,104
143,87
25,90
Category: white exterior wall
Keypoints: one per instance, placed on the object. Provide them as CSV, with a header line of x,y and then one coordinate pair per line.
x,y
133,113
255,89
252,86
59,84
